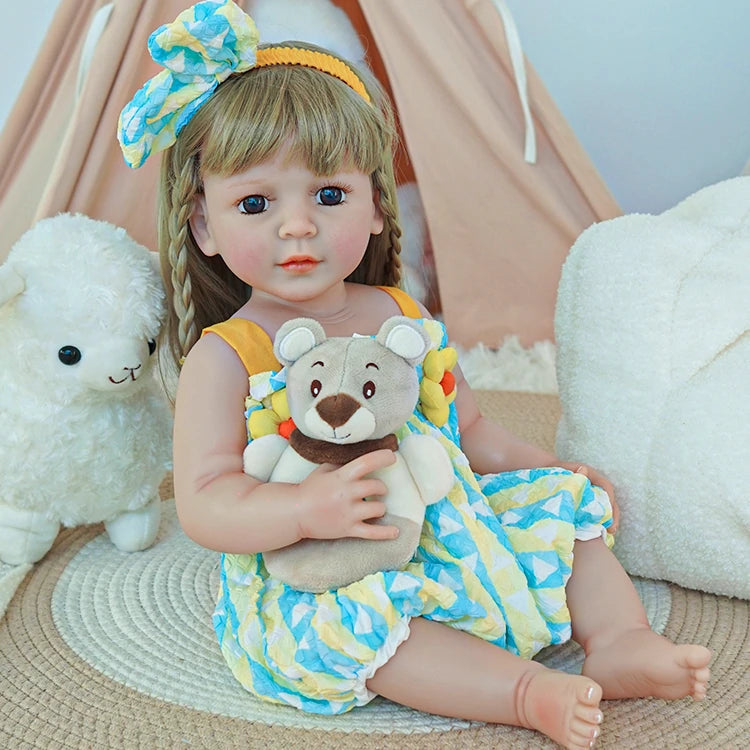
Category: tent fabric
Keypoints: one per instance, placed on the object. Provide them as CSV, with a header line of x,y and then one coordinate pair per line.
x,y
500,228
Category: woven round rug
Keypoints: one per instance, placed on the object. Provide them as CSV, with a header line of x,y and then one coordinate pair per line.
x,y
145,621
104,650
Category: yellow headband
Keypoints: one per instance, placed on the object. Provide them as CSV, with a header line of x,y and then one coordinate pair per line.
x,y
311,59
202,47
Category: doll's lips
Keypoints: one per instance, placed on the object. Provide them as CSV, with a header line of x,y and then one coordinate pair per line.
x,y
299,264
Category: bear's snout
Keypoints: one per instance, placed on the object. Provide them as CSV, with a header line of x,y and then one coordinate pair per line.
x,y
337,410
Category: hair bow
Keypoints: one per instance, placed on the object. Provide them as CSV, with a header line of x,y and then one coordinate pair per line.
x,y
202,47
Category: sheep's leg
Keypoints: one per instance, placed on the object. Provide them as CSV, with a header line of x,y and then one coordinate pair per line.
x,y
25,535
135,530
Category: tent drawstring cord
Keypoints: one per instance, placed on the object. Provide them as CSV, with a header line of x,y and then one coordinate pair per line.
x,y
517,60
98,23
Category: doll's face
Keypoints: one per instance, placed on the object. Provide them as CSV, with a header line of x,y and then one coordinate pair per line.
x,y
284,230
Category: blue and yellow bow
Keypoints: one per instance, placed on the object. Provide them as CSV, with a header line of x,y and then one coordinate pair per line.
x,y
201,48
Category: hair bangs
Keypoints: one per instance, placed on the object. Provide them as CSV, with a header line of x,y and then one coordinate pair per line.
x,y
324,124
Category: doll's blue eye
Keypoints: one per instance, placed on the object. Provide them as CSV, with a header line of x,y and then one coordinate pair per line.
x,y
69,355
253,204
330,196
151,346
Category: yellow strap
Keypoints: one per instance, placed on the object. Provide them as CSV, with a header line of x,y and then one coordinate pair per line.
x,y
406,304
255,348
250,341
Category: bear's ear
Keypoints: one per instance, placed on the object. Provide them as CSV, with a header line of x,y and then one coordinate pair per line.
x,y
405,337
11,284
295,338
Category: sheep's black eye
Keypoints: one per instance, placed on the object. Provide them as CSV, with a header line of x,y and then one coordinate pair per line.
x,y
368,389
315,388
151,346
69,355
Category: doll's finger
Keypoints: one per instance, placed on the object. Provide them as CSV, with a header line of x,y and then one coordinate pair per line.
x,y
368,463
367,509
367,487
615,515
375,531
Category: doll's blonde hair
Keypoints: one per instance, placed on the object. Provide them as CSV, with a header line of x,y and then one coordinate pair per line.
x,y
245,122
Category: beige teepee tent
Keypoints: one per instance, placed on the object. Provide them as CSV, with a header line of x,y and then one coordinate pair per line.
x,y
500,227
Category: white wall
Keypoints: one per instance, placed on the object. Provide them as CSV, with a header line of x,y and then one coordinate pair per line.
x,y
658,91
24,23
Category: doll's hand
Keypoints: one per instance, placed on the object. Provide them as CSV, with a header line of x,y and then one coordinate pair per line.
x,y
597,478
331,500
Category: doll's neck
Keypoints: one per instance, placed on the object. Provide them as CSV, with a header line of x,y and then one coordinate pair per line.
x,y
323,452
330,307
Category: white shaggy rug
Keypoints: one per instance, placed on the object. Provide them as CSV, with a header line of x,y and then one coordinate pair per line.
x,y
510,367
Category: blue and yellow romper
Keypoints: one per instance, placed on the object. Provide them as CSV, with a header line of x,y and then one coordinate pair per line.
x,y
494,557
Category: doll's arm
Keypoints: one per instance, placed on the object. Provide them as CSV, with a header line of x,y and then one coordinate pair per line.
x,y
221,507
491,448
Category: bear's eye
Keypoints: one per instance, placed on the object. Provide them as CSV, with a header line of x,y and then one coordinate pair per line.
x,y
151,346
315,388
368,389
69,355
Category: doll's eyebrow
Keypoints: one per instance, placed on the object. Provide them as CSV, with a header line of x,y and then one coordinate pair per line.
x,y
319,362
371,364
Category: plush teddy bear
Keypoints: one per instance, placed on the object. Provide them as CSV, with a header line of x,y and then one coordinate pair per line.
x,y
346,397
84,425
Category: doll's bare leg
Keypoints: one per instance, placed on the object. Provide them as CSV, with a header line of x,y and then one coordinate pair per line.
x,y
445,671
623,654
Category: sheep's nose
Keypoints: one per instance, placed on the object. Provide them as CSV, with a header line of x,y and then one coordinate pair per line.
x,y
337,410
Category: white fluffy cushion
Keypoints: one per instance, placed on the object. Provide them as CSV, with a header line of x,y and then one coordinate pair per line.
x,y
653,334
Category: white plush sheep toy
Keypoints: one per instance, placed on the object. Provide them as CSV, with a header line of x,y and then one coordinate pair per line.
x,y
348,396
653,334
84,427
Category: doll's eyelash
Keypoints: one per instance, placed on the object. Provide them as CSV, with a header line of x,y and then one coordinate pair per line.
x,y
340,185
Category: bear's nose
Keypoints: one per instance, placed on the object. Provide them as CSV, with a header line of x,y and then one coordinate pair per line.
x,y
336,410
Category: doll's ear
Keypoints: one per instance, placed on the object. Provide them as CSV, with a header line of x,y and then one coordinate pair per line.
x,y
297,337
200,229
405,337
11,284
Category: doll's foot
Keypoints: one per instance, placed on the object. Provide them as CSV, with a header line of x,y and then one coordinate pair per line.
x,y
562,706
642,664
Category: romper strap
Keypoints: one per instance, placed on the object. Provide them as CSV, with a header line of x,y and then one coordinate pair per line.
x,y
252,344
255,348
407,305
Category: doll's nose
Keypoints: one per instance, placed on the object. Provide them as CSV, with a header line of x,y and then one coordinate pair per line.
x,y
297,224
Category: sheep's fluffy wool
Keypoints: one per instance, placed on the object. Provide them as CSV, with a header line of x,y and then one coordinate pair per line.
x,y
653,334
75,448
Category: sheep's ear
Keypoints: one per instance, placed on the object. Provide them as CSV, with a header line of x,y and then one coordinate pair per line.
x,y
405,337
11,284
297,337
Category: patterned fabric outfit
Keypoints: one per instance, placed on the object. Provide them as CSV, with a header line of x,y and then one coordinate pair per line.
x,y
494,557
